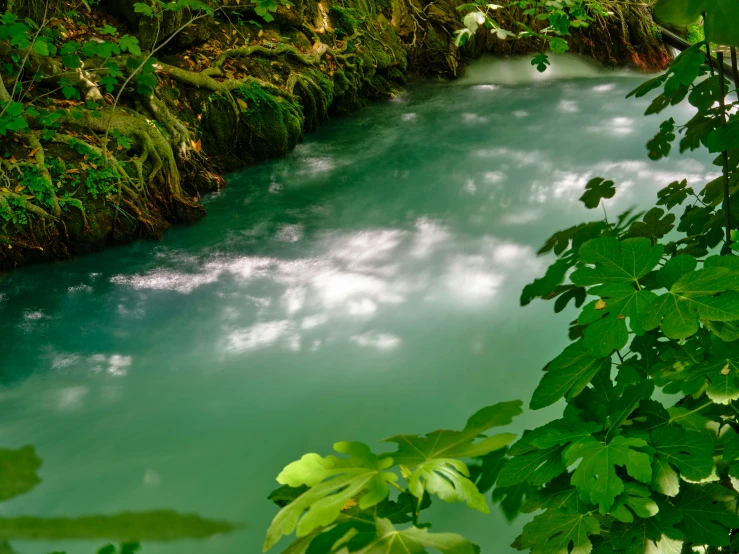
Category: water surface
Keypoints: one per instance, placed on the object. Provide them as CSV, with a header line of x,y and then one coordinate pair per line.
x,y
364,286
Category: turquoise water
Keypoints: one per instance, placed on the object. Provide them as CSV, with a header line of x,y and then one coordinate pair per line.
x,y
364,286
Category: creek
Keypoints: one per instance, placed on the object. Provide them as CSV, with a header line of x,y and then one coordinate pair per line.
x,y
365,285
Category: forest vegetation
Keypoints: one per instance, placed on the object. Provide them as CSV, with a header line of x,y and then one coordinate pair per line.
x,y
119,115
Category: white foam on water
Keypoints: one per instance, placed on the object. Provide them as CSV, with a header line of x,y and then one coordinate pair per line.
x,y
518,71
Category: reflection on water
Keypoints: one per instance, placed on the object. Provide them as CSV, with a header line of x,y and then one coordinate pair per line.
x,y
19,475
366,284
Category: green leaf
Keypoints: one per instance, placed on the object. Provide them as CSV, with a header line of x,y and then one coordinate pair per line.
x,y
41,47
707,514
442,444
661,144
558,45
648,86
554,532
333,482
706,294
71,61
653,226
626,399
722,370
567,375
720,24
675,268
388,540
537,457
731,449
537,468
18,468
564,431
541,61
616,262
690,452
449,480
679,12
606,318
674,194
653,535
130,44
635,500
559,494
596,190
143,9
595,477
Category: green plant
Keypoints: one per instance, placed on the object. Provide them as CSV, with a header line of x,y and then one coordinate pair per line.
x,y
345,502
626,468
559,17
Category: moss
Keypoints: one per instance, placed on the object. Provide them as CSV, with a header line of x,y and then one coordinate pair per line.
x,y
346,21
33,183
316,93
397,75
696,33
101,179
270,125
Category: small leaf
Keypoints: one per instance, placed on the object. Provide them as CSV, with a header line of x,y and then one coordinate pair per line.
x,y
596,190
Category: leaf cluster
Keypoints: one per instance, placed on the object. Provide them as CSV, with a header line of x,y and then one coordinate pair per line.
x,y
343,504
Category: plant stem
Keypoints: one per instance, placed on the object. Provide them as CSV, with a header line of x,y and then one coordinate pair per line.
x,y
691,412
735,69
394,484
724,154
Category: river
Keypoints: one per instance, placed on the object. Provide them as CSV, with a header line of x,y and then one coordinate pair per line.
x,y
364,286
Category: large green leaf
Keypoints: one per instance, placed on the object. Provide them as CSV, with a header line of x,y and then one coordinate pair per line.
x,y
537,457
554,532
707,294
559,494
561,432
675,268
618,266
721,22
448,479
679,12
389,540
626,399
616,262
567,375
537,467
635,500
595,477
652,535
722,371
690,452
431,463
414,450
18,471
333,482
708,515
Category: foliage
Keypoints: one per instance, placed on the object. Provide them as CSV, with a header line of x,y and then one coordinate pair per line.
x,y
557,18
339,504
625,469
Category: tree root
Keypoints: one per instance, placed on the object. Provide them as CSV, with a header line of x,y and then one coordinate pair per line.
x,y
153,145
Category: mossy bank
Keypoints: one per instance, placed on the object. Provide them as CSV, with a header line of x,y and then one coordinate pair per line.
x,y
124,159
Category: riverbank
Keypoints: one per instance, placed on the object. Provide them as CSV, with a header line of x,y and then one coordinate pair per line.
x,y
225,91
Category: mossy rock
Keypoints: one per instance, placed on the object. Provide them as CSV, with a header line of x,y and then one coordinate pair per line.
x,y
270,126
346,21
